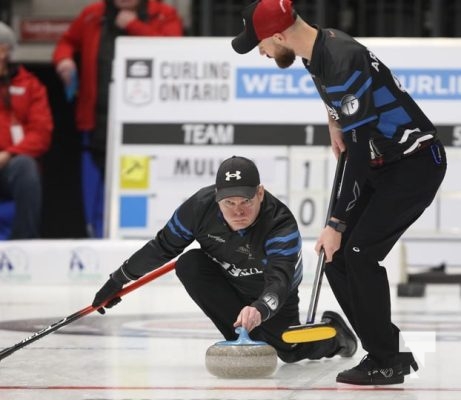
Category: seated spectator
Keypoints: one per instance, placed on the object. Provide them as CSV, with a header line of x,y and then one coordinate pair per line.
x,y
91,37
25,134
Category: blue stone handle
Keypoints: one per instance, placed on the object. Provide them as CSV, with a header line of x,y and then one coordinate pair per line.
x,y
243,339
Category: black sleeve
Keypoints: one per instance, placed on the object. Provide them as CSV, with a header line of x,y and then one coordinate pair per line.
x,y
283,270
356,170
169,242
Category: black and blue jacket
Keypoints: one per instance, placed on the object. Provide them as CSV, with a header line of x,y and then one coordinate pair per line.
x,y
380,121
263,261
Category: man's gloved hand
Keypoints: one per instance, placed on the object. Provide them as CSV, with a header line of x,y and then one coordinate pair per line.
x,y
109,290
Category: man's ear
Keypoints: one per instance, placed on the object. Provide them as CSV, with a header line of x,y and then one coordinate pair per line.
x,y
278,38
261,192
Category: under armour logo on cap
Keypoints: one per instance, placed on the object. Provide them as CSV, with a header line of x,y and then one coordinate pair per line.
x,y
237,177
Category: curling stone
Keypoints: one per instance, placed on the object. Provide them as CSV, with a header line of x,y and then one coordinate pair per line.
x,y
241,358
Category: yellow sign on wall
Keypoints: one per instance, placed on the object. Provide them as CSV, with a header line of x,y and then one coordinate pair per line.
x,y
134,172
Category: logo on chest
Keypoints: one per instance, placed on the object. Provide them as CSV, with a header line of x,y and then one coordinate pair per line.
x,y
218,239
245,250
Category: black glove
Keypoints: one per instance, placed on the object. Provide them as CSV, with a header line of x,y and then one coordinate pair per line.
x,y
109,290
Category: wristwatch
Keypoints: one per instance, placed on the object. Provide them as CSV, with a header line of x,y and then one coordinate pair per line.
x,y
338,226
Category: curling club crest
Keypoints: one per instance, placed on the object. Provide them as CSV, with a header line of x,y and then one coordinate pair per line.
x,y
138,81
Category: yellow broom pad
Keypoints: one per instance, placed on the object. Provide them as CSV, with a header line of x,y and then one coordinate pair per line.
x,y
308,334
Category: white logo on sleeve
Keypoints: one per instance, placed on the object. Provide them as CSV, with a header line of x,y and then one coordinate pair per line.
x,y
407,133
349,104
271,300
333,113
235,175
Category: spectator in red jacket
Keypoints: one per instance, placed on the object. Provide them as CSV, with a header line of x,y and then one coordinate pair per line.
x,y
25,134
92,36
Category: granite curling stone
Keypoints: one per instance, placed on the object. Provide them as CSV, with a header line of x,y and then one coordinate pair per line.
x,y
242,358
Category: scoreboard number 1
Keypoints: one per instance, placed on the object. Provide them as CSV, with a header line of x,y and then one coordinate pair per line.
x,y
307,205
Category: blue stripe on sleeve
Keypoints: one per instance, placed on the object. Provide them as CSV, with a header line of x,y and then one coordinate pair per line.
x,y
391,120
282,239
179,230
383,96
363,88
347,85
359,123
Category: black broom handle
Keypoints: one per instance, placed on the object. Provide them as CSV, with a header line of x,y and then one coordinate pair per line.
x,y
321,260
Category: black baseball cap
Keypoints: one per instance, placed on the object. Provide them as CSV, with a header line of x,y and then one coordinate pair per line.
x,y
262,19
237,176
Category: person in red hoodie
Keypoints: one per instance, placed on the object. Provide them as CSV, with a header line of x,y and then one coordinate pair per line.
x,y
91,37
25,134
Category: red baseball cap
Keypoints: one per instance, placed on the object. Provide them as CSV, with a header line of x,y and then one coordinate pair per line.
x,y
262,19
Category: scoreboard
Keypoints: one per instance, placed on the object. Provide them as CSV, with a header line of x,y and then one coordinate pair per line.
x,y
179,106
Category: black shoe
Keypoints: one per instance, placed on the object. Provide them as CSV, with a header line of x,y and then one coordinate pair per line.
x,y
346,338
369,372
408,362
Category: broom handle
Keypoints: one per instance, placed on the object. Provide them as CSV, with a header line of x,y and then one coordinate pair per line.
x,y
321,260
87,310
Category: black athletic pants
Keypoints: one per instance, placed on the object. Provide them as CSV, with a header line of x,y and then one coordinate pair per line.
x,y
392,199
208,285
